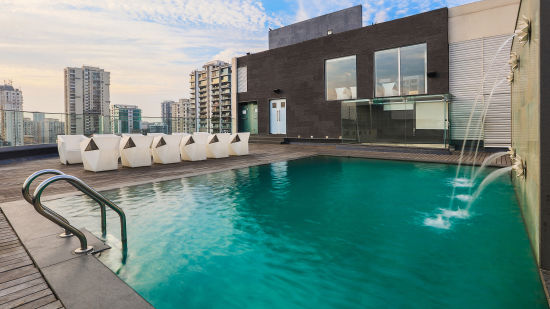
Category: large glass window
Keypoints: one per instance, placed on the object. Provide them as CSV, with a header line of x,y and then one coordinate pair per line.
x,y
400,71
341,78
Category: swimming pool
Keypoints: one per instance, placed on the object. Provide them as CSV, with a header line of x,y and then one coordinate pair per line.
x,y
320,232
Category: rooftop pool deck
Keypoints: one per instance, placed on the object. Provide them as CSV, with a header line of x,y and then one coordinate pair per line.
x,y
13,174
20,215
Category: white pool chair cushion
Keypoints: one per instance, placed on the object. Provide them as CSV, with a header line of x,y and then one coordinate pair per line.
x,y
100,153
193,147
218,145
166,149
238,145
68,147
135,150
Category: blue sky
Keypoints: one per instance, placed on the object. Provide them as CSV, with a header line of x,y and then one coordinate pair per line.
x,y
150,46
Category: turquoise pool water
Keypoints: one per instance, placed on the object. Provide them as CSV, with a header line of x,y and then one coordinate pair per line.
x,y
320,232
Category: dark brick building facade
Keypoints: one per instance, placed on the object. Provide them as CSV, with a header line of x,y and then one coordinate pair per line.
x,y
297,71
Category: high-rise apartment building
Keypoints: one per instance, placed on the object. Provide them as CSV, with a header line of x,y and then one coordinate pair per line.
x,y
211,92
11,116
166,113
41,129
125,119
179,116
183,113
87,100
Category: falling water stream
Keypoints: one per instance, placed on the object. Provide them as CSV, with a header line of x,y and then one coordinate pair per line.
x,y
482,120
442,220
466,135
487,180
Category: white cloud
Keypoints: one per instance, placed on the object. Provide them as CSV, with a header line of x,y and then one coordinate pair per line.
x,y
301,14
380,16
376,11
148,47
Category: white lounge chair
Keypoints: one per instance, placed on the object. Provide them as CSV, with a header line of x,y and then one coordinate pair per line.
x,y
218,145
135,150
193,147
100,152
68,147
166,149
238,145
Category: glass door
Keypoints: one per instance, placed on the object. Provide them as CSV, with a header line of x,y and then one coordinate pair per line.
x,y
277,116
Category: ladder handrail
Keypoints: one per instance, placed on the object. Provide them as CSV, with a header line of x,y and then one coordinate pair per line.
x,y
28,197
84,188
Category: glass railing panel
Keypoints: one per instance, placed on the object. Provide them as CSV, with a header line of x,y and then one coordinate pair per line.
x,y
409,121
18,128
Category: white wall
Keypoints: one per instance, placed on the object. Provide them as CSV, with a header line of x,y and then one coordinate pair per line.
x,y
482,19
476,32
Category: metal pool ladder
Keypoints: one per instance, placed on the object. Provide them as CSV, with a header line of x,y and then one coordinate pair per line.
x,y
59,219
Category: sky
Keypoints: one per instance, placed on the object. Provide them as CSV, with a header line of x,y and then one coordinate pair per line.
x,y
150,46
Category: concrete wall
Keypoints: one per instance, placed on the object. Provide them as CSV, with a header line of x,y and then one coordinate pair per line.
x,y
234,95
544,42
482,19
531,126
298,71
340,21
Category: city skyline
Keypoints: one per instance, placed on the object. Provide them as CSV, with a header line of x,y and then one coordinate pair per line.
x,y
149,48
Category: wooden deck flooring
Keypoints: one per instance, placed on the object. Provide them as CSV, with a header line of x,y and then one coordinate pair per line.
x,y
13,175
21,284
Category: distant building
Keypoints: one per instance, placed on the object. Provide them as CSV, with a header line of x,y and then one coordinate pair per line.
x,y
125,119
87,100
11,117
179,116
166,112
157,127
211,93
183,113
42,130
51,129
28,131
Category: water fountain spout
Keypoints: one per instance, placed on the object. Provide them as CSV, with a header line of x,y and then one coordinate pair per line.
x,y
514,61
519,166
488,160
523,30
510,78
512,153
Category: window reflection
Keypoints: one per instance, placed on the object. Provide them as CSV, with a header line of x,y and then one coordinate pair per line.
x,y
340,77
387,72
413,69
400,71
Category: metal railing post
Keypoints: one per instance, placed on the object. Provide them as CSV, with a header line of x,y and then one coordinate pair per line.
x,y
28,197
25,191
84,188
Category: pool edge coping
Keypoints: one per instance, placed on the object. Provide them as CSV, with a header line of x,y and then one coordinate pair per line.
x,y
545,284
69,286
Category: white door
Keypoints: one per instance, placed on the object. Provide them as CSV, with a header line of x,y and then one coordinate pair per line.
x,y
277,116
